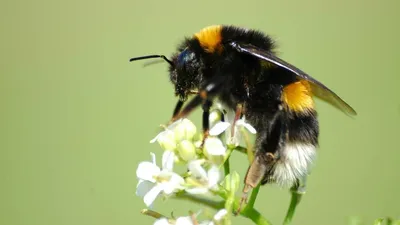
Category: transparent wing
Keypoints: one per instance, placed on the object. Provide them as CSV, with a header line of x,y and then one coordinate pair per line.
x,y
318,89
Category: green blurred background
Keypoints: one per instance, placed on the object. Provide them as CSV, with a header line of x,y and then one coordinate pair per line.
x,y
77,117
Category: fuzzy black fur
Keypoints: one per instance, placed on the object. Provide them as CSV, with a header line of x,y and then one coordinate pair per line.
x,y
247,81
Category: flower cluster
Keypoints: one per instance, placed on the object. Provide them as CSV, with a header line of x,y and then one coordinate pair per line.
x,y
202,162
192,220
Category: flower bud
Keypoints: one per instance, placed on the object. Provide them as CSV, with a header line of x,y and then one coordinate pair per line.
x,y
187,150
232,182
185,130
167,140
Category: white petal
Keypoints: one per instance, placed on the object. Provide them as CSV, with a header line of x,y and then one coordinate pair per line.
x,y
152,195
168,160
174,124
156,137
167,140
219,128
197,190
215,117
239,122
214,176
207,222
187,220
230,115
197,170
162,221
143,187
174,184
147,170
214,146
185,130
153,158
250,128
220,214
176,179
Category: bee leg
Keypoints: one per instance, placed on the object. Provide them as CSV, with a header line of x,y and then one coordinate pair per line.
x,y
267,152
301,186
206,122
255,174
238,114
207,93
178,108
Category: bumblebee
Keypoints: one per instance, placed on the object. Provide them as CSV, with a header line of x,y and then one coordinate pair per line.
x,y
240,68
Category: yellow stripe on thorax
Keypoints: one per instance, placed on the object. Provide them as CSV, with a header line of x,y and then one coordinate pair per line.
x,y
298,97
210,38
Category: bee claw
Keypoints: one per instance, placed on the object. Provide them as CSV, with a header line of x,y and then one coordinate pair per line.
x,y
244,199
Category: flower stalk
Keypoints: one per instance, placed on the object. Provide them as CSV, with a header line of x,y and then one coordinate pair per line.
x,y
294,201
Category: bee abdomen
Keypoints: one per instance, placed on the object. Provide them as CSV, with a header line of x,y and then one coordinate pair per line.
x,y
296,151
294,163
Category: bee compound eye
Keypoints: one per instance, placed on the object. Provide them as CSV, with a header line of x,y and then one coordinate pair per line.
x,y
185,57
182,57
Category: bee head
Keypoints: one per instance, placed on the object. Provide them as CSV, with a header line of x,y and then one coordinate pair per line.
x,y
186,72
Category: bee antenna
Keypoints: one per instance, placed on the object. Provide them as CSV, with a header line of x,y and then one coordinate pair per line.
x,y
152,56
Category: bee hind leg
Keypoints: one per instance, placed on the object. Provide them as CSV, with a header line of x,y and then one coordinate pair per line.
x,y
255,175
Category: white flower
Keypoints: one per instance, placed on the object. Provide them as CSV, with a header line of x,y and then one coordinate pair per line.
x,y
162,221
205,180
184,220
180,130
214,150
166,138
217,218
220,127
187,220
243,123
184,130
154,180
220,214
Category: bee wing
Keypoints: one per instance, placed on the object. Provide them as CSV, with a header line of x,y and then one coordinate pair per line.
x,y
318,89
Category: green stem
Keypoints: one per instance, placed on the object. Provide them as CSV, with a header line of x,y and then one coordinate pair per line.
x,y
204,201
257,218
227,169
249,149
295,200
250,213
253,197
241,149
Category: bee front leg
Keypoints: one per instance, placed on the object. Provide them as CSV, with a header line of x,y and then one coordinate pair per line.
x,y
206,121
238,115
204,98
205,94
206,113
178,108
